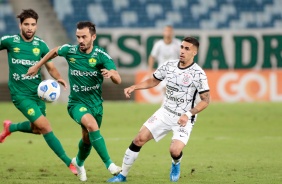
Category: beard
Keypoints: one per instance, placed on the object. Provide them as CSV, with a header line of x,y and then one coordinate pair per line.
x,y
84,47
27,37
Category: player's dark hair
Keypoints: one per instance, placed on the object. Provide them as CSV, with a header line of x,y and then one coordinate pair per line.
x,y
28,13
192,40
84,24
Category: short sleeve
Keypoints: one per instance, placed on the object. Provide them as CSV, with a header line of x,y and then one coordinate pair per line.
x,y
63,50
108,62
201,82
161,71
4,42
45,50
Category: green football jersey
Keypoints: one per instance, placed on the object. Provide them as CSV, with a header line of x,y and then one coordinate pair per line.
x,y
84,73
21,56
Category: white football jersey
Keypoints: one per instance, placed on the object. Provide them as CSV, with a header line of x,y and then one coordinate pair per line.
x,y
164,52
183,85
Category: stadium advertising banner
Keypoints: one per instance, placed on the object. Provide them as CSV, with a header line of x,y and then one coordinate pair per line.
x,y
229,86
243,65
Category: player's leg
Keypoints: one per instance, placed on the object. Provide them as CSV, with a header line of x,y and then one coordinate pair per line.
x,y
25,126
153,128
84,149
76,111
98,142
179,140
85,117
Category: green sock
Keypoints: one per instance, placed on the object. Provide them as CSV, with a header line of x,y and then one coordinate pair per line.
x,y
98,143
56,146
21,127
83,152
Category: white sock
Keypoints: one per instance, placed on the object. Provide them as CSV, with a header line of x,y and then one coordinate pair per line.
x,y
128,160
176,161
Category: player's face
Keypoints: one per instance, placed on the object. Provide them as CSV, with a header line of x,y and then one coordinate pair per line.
x,y
168,32
187,53
85,40
28,28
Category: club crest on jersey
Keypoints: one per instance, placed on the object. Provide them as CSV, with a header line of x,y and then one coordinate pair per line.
x,y
83,109
31,112
186,79
16,49
36,51
92,62
72,60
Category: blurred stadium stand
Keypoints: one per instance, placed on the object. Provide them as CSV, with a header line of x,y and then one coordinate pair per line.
x,y
196,14
8,24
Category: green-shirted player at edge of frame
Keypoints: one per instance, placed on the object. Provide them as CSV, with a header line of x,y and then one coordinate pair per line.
x,y
88,66
24,50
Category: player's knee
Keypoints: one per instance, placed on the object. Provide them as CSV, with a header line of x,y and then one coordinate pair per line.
x,y
34,129
175,152
139,141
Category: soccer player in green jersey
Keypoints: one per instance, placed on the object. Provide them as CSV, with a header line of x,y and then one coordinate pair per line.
x,y
88,66
24,50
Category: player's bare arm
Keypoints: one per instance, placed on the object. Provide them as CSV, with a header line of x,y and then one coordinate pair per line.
x,y
112,74
52,70
205,100
149,83
50,55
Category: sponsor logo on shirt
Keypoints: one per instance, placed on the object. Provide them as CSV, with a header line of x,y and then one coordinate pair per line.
x,y
89,88
72,60
23,62
82,73
16,39
36,51
92,62
35,42
16,50
17,77
77,88
72,50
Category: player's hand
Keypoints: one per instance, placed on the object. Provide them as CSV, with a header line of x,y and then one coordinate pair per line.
x,y
128,91
32,71
183,120
63,82
106,73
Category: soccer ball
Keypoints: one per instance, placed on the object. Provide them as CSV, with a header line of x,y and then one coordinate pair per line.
x,y
49,90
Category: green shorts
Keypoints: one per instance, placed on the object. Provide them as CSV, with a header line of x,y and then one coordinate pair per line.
x,y
31,108
76,111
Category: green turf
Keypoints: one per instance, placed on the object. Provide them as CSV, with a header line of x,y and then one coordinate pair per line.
x,y
230,143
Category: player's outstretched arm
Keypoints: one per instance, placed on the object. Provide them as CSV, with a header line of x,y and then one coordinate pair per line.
x,y
52,70
149,83
50,55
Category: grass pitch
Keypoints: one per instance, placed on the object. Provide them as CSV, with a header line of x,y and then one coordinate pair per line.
x,y
230,143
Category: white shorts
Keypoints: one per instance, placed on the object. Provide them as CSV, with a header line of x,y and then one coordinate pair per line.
x,y
162,122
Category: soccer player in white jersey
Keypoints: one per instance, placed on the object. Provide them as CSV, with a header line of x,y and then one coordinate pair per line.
x,y
163,50
185,79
